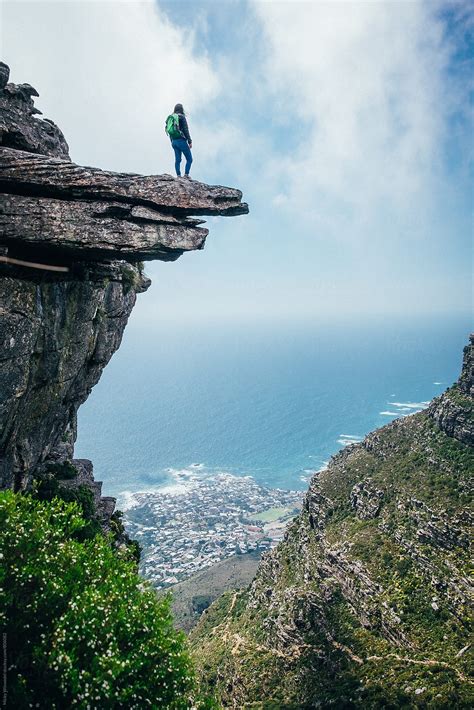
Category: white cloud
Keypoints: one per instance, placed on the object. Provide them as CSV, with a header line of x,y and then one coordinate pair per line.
x,y
367,83
108,73
332,117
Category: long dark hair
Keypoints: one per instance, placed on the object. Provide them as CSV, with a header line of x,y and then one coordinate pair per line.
x,y
179,109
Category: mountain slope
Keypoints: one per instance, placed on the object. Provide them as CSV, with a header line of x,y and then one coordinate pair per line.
x,y
366,601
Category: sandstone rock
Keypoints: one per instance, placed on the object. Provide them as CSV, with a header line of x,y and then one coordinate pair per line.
x,y
453,418
466,380
4,75
19,127
83,230
454,411
51,177
366,500
56,336
53,208
93,230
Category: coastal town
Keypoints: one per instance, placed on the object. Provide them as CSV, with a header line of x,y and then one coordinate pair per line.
x,y
202,520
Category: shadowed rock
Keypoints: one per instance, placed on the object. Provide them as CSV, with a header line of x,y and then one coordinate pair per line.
x,y
96,230
56,336
59,328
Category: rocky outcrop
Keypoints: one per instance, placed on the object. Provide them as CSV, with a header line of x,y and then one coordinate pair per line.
x,y
454,411
366,601
22,172
20,127
94,230
366,500
77,212
57,334
71,246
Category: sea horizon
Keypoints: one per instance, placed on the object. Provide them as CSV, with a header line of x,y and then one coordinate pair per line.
x,y
255,399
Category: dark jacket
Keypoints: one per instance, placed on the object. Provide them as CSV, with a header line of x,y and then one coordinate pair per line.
x,y
183,127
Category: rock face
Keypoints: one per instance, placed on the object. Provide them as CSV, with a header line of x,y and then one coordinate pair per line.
x,y
57,334
18,126
76,212
366,602
72,239
454,411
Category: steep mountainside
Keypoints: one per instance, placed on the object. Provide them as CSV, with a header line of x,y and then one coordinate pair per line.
x,y
366,602
71,246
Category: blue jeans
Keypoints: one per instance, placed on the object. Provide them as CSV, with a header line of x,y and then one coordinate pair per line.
x,y
181,146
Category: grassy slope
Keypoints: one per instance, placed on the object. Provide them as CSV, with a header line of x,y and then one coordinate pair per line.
x,y
199,591
300,638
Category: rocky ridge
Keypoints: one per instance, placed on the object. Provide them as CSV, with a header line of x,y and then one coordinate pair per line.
x,y
71,246
367,601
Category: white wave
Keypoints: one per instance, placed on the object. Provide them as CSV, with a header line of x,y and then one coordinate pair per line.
x,y
136,498
348,439
409,405
438,383
390,414
127,500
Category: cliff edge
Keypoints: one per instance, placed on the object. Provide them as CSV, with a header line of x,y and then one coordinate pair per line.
x,y
72,244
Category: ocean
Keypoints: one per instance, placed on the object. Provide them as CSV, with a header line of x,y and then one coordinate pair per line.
x,y
273,400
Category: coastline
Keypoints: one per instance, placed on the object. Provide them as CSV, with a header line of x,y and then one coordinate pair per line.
x,y
201,519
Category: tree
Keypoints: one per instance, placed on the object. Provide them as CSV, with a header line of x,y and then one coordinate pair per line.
x,y
83,629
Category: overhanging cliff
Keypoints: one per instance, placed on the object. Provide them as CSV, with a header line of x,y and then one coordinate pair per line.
x,y
71,246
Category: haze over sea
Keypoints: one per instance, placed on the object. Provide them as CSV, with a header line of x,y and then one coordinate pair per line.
x,y
270,400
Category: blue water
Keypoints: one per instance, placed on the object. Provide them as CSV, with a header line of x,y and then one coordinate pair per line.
x,y
271,400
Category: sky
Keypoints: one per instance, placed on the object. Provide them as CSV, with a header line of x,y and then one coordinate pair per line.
x,y
347,125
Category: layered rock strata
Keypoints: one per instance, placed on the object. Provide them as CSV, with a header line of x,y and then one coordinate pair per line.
x,y
72,240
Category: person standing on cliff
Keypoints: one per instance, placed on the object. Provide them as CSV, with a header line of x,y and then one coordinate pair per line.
x,y
176,127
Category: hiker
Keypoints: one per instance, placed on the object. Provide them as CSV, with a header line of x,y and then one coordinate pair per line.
x,y
177,128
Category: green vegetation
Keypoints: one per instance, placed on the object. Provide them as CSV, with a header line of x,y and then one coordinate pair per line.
x,y
272,514
117,529
200,602
48,487
365,603
131,277
461,400
82,629
192,596
62,471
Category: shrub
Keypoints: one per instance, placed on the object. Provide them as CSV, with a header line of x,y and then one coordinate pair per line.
x,y
62,471
83,630
47,488
201,602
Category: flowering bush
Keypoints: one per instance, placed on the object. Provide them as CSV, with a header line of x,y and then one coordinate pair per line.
x,y
83,630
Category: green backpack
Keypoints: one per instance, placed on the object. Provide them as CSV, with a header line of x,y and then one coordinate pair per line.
x,y
172,126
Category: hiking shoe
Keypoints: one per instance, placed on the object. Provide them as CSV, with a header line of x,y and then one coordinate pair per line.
x,y
187,176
